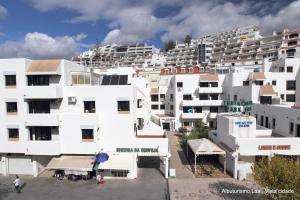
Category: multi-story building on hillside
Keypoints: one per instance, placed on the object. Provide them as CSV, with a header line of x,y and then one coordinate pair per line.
x,y
110,56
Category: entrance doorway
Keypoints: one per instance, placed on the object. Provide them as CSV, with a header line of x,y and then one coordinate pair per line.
x,y
298,130
166,126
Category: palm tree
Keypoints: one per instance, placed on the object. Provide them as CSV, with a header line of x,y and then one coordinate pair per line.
x,y
188,40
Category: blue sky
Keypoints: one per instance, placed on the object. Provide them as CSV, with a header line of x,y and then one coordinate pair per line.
x,y
63,28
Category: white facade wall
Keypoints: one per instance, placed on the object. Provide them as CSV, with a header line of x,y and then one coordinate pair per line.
x,y
111,129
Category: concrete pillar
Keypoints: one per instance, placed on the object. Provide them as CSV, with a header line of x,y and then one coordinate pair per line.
x,y
134,171
236,162
4,165
35,168
225,157
195,168
167,167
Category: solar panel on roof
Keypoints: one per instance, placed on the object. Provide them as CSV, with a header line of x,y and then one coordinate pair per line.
x,y
114,80
123,80
106,80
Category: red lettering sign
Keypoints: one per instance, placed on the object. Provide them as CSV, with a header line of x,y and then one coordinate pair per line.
x,y
274,147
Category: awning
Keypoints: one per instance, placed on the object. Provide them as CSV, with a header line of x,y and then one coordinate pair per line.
x,y
204,147
209,77
72,163
118,162
259,76
154,90
43,66
267,90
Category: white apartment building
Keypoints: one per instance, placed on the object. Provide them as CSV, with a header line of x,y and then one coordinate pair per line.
x,y
182,55
245,142
290,44
56,114
184,95
114,55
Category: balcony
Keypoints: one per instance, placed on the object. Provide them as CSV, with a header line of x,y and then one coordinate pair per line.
x,y
42,148
215,90
198,102
43,119
193,115
212,115
42,92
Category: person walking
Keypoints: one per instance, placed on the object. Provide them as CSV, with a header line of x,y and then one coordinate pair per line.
x,y
17,184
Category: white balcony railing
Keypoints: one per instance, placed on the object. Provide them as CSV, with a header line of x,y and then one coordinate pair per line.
x,y
198,102
42,119
210,90
42,148
42,92
212,115
193,115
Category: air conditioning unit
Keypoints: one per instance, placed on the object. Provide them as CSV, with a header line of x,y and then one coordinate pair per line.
x,y
72,100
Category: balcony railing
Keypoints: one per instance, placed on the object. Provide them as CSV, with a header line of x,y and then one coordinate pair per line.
x,y
42,92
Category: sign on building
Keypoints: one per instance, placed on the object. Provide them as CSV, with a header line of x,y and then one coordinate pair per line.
x,y
237,106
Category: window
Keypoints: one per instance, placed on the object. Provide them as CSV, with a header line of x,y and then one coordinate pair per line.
x,y
162,107
290,98
13,134
162,96
282,96
273,82
187,97
289,69
291,128
197,109
203,97
281,69
203,84
38,80
123,107
186,123
89,107
139,103
39,107
245,83
154,107
235,97
261,120
214,96
290,85
87,135
171,107
10,81
40,133
187,109
214,84
154,97
179,84
171,97
273,123
258,82
213,109
117,173
11,108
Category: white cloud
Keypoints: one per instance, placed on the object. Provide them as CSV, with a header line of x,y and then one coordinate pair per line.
x,y
3,12
134,21
39,45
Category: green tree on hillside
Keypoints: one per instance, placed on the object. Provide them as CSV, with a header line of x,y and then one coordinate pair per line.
x,y
170,45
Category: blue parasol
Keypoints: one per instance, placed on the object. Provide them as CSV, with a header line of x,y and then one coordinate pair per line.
x,y
101,157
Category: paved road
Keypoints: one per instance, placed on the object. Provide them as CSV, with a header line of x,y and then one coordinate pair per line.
x,y
178,159
212,189
149,185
